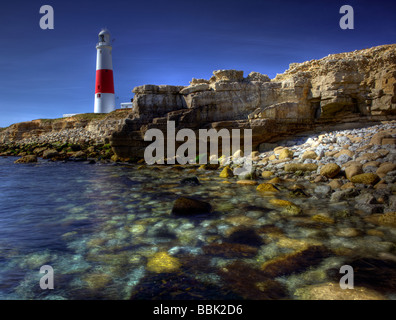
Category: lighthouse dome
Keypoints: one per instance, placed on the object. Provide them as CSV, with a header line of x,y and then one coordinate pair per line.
x,y
104,36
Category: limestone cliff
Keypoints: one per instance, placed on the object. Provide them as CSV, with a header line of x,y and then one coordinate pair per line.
x,y
354,87
357,86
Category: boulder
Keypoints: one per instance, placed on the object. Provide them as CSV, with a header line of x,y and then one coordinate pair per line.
x,y
162,262
228,75
365,178
267,187
27,159
51,153
289,208
185,206
295,262
293,167
353,170
309,155
256,76
330,170
226,173
333,291
385,168
286,154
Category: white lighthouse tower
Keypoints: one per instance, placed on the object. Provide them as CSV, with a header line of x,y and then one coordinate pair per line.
x,y
104,87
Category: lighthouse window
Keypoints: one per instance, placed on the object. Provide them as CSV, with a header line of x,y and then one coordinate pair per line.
x,y
102,38
98,95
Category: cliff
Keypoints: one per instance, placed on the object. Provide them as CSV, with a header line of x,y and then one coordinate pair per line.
x,y
354,87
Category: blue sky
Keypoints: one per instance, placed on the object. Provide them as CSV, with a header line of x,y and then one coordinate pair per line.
x,y
46,73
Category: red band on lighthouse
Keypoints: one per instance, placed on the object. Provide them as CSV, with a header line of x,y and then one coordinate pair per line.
x,y
104,81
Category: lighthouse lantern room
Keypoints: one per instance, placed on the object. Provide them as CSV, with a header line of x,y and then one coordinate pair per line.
x,y
104,86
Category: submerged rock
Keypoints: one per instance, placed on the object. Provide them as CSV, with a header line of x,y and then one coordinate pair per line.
x,y
27,159
230,250
192,181
289,207
251,283
371,273
162,262
333,291
267,187
386,219
184,206
246,236
295,262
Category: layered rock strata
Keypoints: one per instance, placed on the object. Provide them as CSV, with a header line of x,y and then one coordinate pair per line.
x,y
354,87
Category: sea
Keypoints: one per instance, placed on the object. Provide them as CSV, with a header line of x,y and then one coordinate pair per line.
x,y
106,232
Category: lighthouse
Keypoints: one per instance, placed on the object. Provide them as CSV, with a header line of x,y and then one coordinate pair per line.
x,y
104,86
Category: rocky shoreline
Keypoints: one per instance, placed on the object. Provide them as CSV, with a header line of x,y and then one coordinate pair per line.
x,y
345,165
353,170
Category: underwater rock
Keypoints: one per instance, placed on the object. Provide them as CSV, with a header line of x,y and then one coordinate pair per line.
x,y
371,273
276,180
27,159
97,281
209,166
230,250
247,182
246,236
267,187
184,206
179,286
251,283
289,207
295,262
386,219
192,181
323,219
162,262
333,291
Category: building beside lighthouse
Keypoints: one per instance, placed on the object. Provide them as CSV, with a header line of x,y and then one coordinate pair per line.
x,y
104,85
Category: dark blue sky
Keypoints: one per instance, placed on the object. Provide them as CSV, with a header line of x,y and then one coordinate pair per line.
x,y
46,73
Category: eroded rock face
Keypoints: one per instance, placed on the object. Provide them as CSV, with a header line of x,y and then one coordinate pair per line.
x,y
348,87
357,86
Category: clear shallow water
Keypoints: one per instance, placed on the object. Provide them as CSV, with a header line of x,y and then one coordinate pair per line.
x,y
98,226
